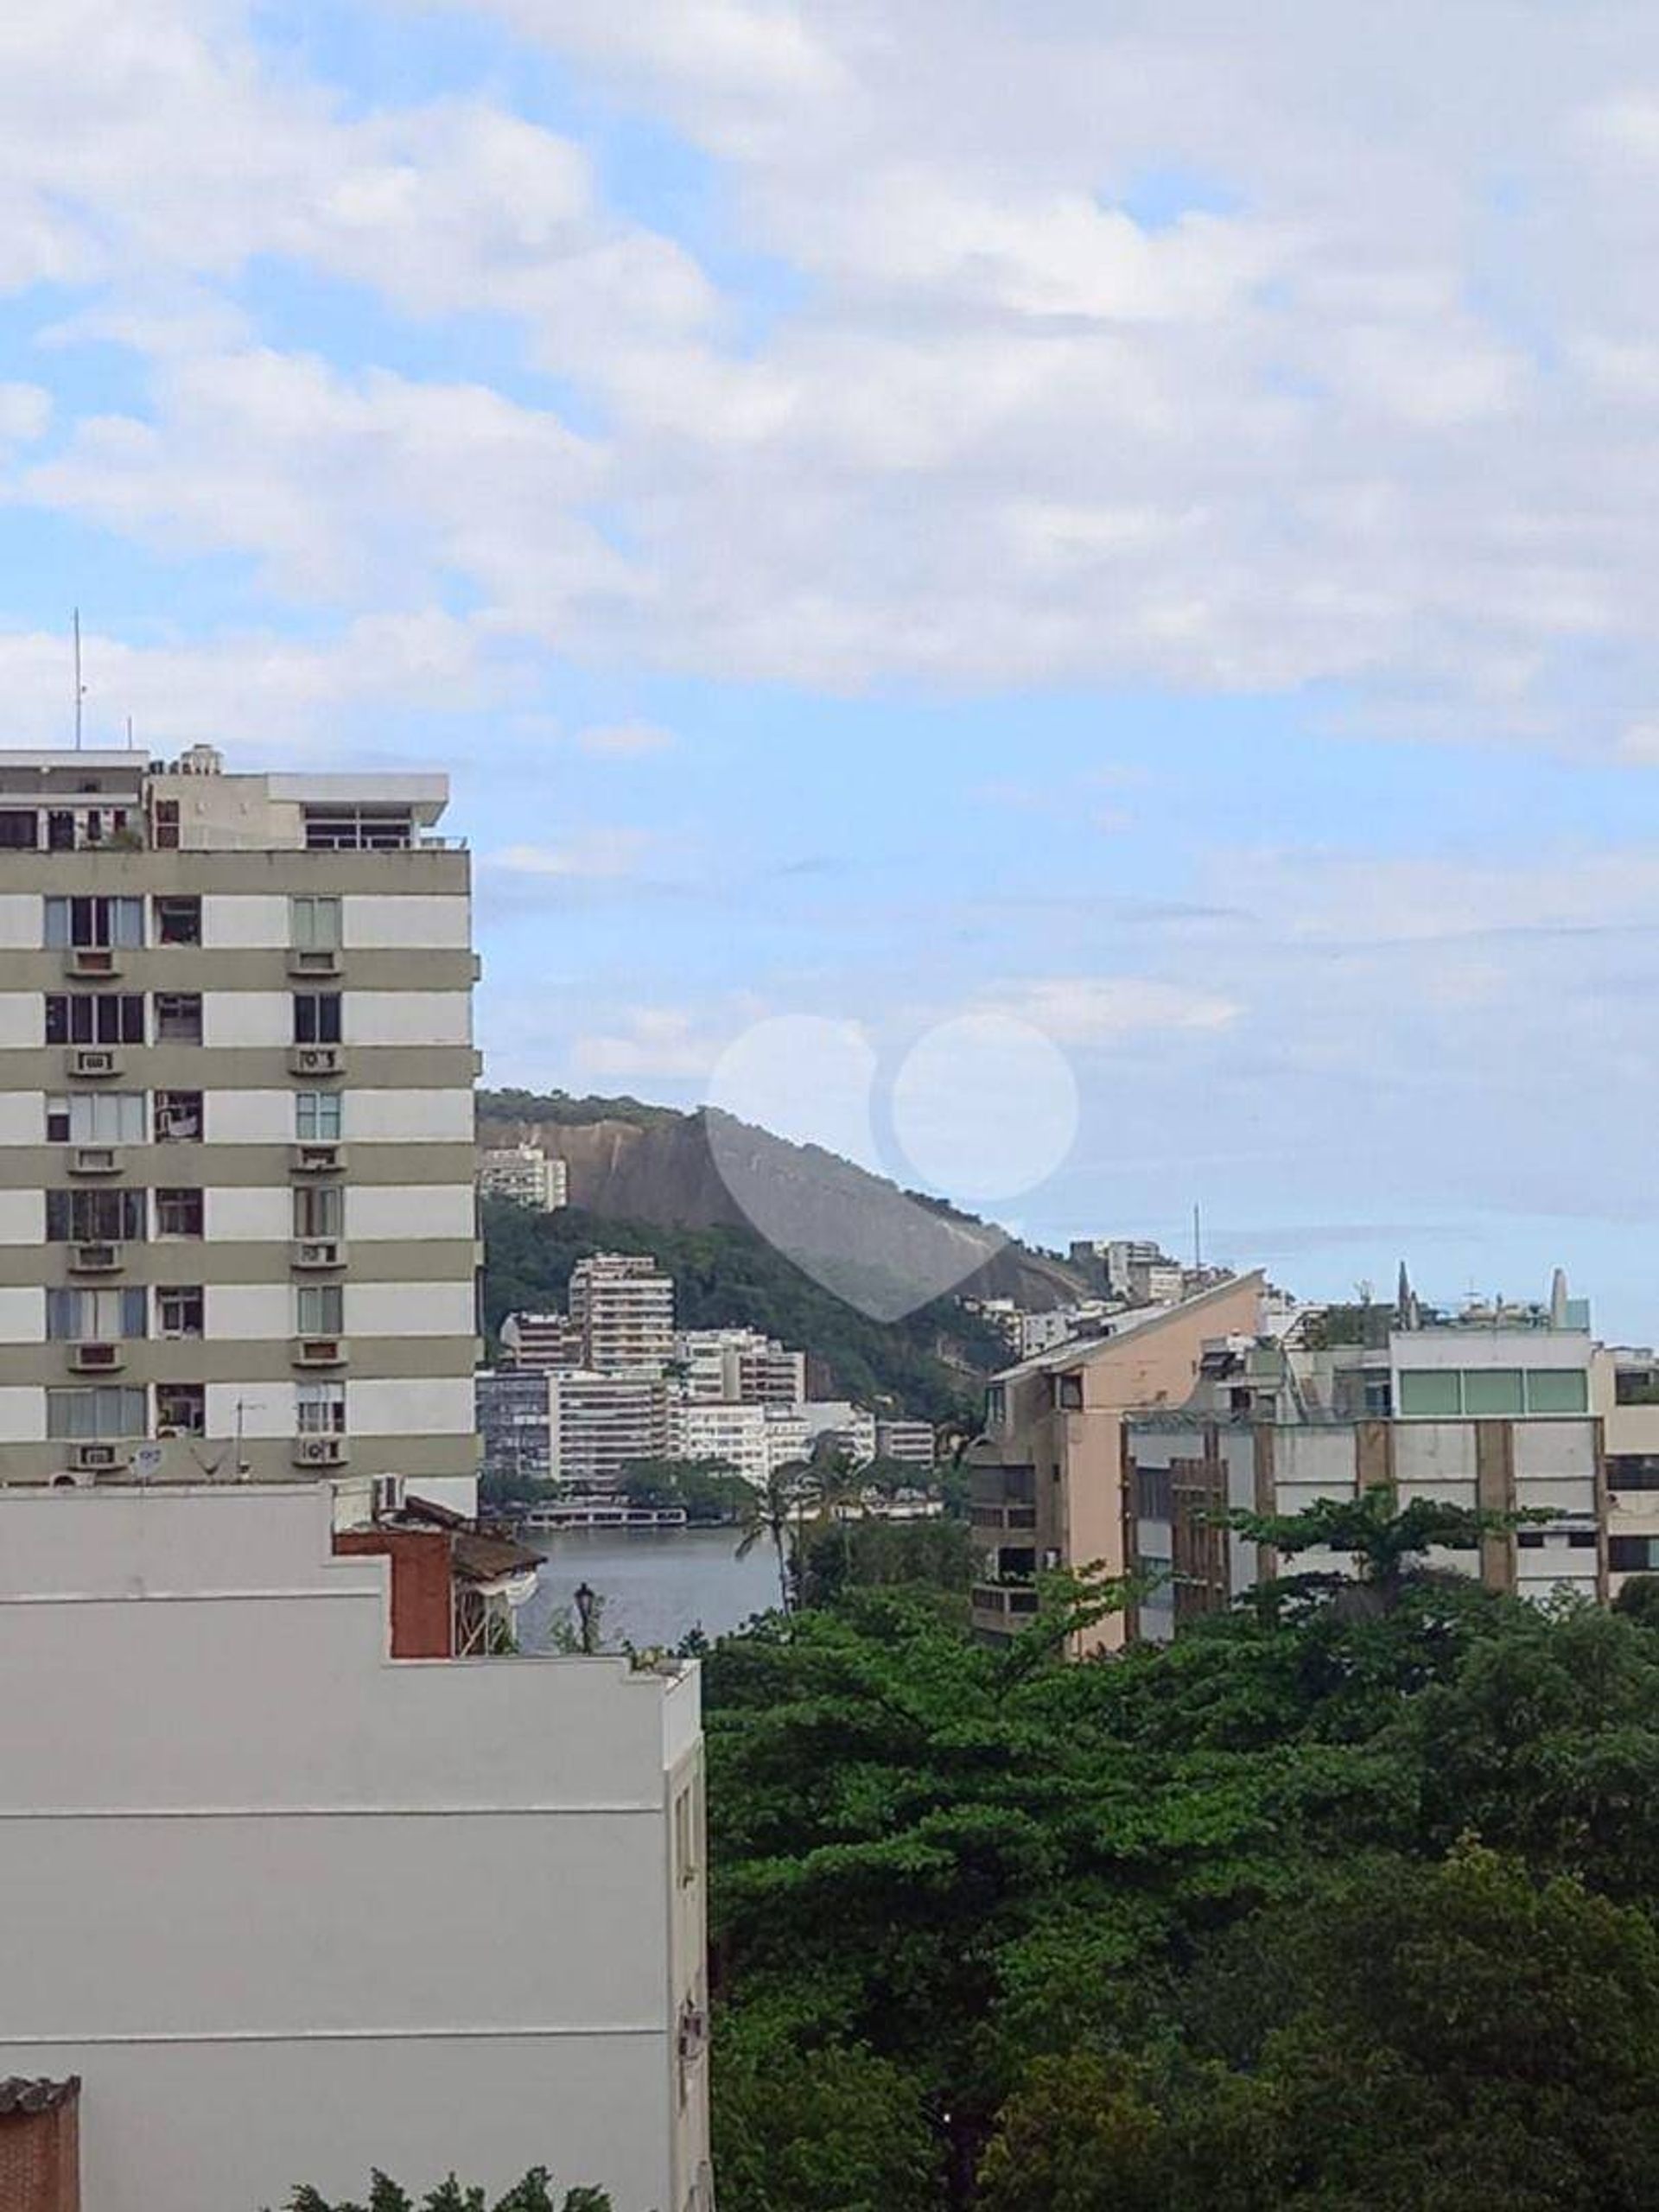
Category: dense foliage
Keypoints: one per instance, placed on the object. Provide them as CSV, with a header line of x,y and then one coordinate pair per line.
x,y
534,2193
732,1278
1340,1907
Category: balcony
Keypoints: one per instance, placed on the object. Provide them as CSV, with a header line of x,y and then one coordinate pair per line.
x,y
93,1062
106,1259
317,1254
1002,1517
314,1061
1003,1604
95,1160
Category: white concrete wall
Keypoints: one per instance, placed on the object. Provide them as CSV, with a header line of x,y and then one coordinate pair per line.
x,y
22,1019
22,1315
408,1018
22,1216
243,921
22,1413
238,1019
22,1117
249,1116
394,923
235,1215
267,1409
266,1869
23,921
397,1211
410,1309
441,1407
409,1116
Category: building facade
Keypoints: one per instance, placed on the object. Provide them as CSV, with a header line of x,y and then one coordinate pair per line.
x,y
550,1343
525,1175
236,1213
599,1426
625,1305
911,1443
298,1908
739,1367
1048,1476
515,1422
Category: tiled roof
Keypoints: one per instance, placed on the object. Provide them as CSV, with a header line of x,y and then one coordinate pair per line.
x,y
19,2096
487,1558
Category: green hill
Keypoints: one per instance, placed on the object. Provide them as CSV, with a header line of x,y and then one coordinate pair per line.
x,y
931,1364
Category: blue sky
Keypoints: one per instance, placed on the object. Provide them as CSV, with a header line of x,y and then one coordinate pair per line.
x,y
1131,535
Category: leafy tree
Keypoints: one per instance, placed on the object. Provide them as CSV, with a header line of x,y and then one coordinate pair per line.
x,y
534,2193
834,2129
767,1517
1388,1541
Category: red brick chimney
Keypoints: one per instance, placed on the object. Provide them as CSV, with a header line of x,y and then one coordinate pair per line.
x,y
39,2145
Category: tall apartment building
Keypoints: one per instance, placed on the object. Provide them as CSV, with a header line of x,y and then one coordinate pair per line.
x,y
525,1175
306,1894
626,1307
515,1421
601,1424
237,1212
546,1343
907,1443
739,1367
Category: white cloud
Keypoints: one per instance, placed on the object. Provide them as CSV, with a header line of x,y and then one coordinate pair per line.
x,y
625,741
593,855
1095,1009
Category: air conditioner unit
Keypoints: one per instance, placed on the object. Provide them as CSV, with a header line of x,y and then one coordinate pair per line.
x,y
98,1459
319,1252
386,1494
319,1451
318,1159
95,1160
93,1061
319,1352
72,1481
93,960
96,1259
322,962
317,1060
97,1359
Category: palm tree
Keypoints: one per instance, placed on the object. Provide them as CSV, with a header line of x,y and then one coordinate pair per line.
x,y
765,1515
833,1487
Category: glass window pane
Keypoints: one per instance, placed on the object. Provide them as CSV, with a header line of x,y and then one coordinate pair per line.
x,y
1492,1391
1428,1391
1556,1390
57,925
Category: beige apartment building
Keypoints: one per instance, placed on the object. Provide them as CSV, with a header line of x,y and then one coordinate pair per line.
x,y
237,1208
625,1307
1049,1474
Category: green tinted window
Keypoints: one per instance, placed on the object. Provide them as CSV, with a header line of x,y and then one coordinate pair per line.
x,y
1492,1391
1556,1390
1430,1390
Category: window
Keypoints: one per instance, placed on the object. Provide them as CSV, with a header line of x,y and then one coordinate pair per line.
x,y
95,1117
87,1316
94,1216
178,1117
996,1405
356,829
97,1415
685,1838
1490,1391
319,1211
94,1018
1428,1391
321,1308
1632,1554
20,829
181,1409
316,1017
314,924
165,822
1153,1500
1636,1386
179,1310
317,1116
178,921
1633,1471
88,922
321,1408
1068,1392
178,1017
178,1213
1557,1390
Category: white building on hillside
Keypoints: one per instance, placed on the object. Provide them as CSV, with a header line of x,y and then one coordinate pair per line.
x,y
525,1175
292,1907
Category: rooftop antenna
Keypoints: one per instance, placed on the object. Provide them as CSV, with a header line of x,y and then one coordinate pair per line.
x,y
80,689
1198,1239
129,735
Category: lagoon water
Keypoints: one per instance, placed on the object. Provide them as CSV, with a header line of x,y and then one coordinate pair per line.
x,y
658,1584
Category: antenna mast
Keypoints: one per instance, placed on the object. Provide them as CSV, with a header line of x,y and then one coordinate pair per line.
x,y
80,689
1198,1239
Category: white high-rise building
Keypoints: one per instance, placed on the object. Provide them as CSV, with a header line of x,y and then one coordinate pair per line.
x,y
739,1366
237,1212
625,1306
525,1176
600,1426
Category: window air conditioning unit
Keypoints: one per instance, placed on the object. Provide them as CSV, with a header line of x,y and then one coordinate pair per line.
x,y
97,1359
319,1159
319,1450
90,960
386,1494
319,1352
317,1060
98,1459
322,962
315,1252
95,1259
93,1061
95,1159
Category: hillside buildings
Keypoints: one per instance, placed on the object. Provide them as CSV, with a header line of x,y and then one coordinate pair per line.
x,y
237,1228
306,1893
525,1175
623,1305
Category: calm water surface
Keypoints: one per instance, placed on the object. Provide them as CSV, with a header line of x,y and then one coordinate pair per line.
x,y
658,1584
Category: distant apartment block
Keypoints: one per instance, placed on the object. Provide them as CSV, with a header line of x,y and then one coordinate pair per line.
x,y
625,1305
601,1424
739,1367
909,1443
550,1344
515,1417
755,1441
306,1893
525,1175
835,1424
237,1210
